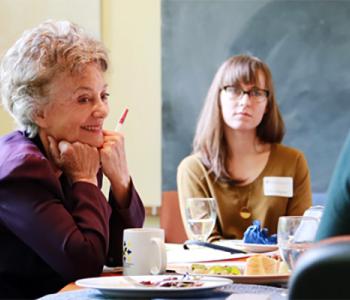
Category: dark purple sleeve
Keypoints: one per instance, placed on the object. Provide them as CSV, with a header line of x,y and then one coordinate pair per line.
x,y
131,217
74,241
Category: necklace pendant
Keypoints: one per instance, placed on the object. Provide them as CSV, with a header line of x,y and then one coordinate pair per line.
x,y
245,213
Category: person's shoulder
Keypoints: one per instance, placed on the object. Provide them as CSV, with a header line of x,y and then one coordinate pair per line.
x,y
16,144
192,162
18,152
281,150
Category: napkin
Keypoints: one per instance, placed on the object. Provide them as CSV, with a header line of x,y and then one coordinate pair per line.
x,y
257,235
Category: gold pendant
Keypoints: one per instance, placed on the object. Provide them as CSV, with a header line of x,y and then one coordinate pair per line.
x,y
245,213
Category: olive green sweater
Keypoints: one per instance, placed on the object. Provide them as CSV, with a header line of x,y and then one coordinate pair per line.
x,y
193,180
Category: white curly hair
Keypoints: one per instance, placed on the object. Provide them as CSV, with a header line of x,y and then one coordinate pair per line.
x,y
28,67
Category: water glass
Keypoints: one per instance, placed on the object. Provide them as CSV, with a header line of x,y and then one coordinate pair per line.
x,y
295,234
315,211
200,217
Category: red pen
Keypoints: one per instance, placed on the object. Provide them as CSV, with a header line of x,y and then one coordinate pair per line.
x,y
121,120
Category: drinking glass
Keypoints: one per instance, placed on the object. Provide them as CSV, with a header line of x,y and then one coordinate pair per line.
x,y
295,234
315,211
200,216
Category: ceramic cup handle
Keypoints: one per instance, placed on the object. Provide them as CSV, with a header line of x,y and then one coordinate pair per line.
x,y
160,257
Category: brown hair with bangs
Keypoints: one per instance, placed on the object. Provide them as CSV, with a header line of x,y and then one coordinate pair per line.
x,y
209,140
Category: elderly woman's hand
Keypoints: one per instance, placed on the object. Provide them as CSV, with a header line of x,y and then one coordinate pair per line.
x,y
114,165
80,162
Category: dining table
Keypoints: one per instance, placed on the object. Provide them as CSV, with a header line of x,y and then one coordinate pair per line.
x,y
177,258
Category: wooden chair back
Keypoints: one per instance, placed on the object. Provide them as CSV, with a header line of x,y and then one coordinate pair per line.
x,y
170,218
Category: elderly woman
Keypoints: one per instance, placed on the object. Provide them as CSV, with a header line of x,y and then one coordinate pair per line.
x,y
238,157
55,223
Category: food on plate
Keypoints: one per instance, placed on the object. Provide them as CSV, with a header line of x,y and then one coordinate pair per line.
x,y
215,269
283,268
261,265
258,264
264,265
172,282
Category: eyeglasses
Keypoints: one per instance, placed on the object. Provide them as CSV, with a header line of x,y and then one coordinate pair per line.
x,y
255,94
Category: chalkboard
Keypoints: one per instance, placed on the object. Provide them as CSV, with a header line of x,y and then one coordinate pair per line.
x,y
305,43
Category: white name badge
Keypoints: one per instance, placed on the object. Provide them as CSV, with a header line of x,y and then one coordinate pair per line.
x,y
278,186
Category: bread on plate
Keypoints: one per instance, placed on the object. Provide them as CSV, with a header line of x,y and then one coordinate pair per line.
x,y
261,265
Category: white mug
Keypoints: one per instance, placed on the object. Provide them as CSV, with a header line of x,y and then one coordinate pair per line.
x,y
144,251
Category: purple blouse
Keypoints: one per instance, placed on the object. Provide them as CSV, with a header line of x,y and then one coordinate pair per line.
x,y
52,232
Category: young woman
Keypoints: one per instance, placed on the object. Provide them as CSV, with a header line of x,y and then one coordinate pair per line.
x,y
238,157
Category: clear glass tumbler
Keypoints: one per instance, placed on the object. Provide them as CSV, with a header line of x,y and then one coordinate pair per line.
x,y
200,217
295,234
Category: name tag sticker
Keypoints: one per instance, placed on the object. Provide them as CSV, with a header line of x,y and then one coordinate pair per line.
x,y
278,186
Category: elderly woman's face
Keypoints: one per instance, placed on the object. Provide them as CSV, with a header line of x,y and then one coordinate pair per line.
x,y
77,107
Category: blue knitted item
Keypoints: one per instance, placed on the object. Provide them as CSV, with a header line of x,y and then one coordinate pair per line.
x,y
257,235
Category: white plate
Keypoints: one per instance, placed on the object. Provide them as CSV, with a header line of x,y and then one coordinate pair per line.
x,y
256,248
127,287
252,279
